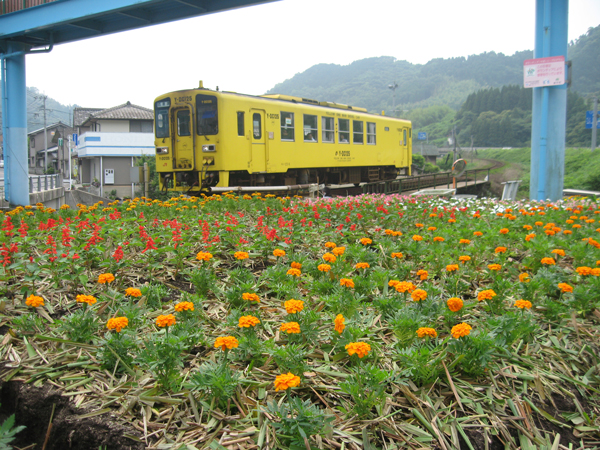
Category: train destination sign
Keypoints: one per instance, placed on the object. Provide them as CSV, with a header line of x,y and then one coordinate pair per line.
x,y
542,72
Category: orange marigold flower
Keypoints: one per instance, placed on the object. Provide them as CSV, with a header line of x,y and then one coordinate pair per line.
x,y
558,251
419,225
451,267
460,330
248,321
330,245
241,255
203,256
294,272
477,233
539,224
564,287
432,228
366,241
338,251
548,261
422,274
330,258
278,252
290,327
524,277
184,306
500,250
324,267
584,270
339,323
595,272
418,295
393,283
504,231
464,258
347,282
404,286
426,331
296,265
455,304
494,267
226,342
361,349
523,304
397,255
438,239
251,297
104,278
529,237
286,381
133,292
417,238
89,299
567,232
34,301
362,265
293,306
389,232
117,323
527,227
166,320
487,294
464,241
451,220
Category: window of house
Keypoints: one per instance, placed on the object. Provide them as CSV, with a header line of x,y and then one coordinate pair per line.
x,y
207,117
32,142
183,122
327,125
161,118
310,128
371,137
240,123
287,126
344,131
358,134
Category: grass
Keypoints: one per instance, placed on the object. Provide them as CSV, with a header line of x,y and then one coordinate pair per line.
x,y
519,378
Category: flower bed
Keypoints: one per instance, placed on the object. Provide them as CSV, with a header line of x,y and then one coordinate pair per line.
x,y
373,321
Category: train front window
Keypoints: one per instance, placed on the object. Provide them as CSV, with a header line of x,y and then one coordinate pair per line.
x,y
287,126
327,124
310,128
358,132
183,122
161,118
371,135
207,117
344,131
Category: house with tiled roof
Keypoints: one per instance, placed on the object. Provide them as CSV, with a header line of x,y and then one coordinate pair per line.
x,y
49,147
109,142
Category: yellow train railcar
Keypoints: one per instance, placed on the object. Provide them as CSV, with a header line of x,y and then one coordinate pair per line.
x,y
207,138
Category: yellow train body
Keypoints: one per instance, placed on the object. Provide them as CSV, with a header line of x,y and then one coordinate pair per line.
x,y
207,138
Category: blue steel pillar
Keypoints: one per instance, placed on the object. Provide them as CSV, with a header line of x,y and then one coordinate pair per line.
x,y
14,124
549,114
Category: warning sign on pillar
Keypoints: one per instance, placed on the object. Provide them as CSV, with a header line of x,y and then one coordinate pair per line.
x,y
541,72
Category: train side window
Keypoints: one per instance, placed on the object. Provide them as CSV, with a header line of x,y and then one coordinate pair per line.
x,y
344,131
183,122
327,125
310,128
240,123
257,126
287,126
405,141
371,135
358,132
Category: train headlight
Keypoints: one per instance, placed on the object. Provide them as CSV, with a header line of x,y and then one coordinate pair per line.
x,y
208,148
162,150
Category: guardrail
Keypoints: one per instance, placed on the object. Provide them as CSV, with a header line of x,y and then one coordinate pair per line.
x,y
418,182
39,183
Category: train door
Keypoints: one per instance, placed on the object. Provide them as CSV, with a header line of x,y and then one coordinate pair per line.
x,y
258,162
183,138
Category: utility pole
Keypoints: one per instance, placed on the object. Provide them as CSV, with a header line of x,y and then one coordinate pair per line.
x,y
44,97
594,123
393,88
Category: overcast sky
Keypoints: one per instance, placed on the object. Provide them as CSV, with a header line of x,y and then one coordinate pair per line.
x,y
250,50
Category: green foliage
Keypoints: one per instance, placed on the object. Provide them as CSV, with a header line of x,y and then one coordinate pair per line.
x,y
474,352
116,350
420,363
162,355
29,323
366,385
216,381
290,358
154,294
80,326
203,279
8,432
296,421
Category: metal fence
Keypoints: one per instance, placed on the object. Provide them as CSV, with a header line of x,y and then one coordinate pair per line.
x,y
39,183
8,6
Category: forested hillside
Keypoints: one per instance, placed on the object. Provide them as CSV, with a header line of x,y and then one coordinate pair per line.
x,y
480,95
